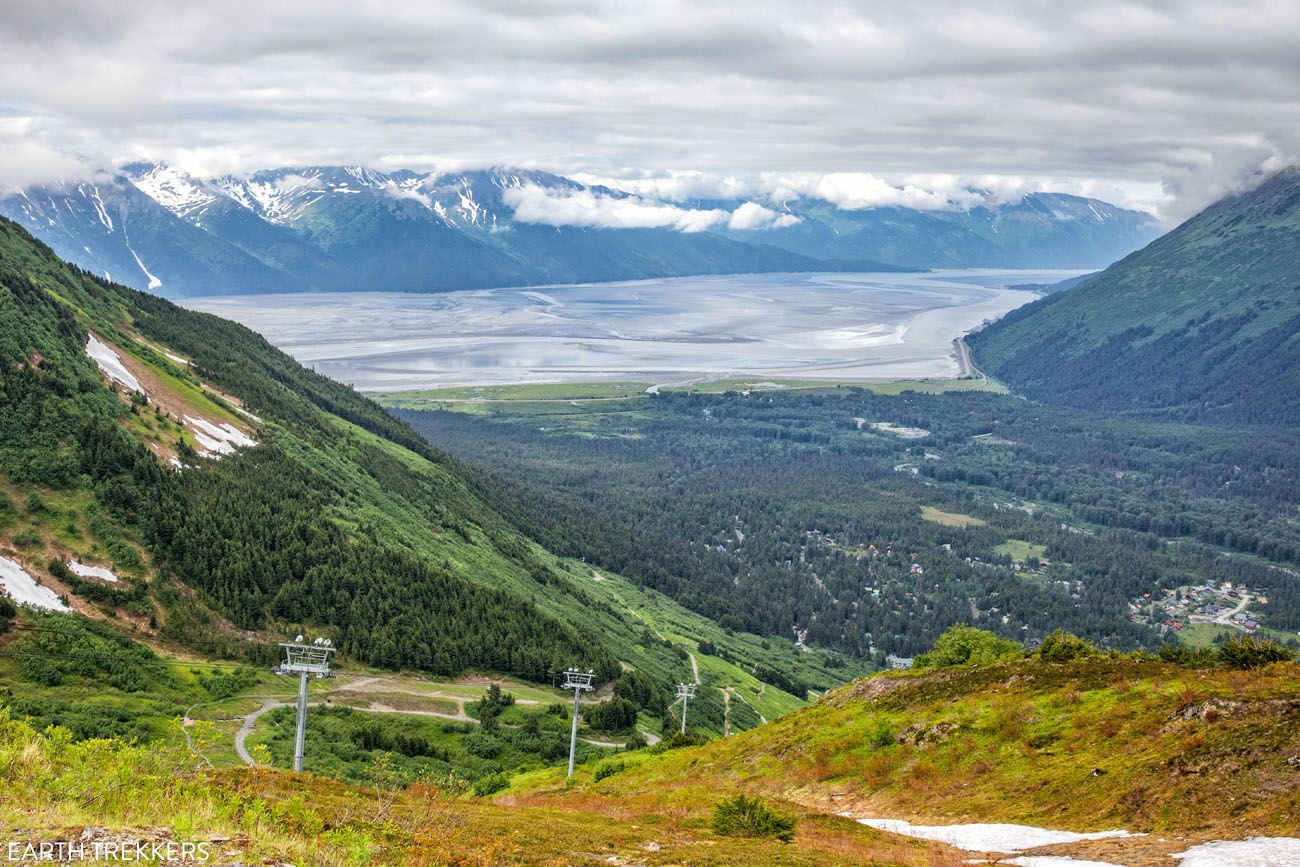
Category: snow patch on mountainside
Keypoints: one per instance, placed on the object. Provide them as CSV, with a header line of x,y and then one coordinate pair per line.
x,y
111,363
24,590
214,439
100,210
217,440
87,571
154,282
175,191
279,199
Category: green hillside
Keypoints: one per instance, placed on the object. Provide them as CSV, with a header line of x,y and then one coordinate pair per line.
x,y
1179,753
1178,750
339,521
1203,324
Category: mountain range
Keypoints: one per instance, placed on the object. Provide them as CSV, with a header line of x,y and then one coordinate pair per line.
x,y
1209,315
326,228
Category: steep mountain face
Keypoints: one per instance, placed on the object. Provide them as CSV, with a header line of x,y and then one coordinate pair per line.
x,y
115,229
1202,324
172,473
1040,230
327,228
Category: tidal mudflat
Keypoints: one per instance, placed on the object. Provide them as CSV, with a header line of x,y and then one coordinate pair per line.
x,y
843,327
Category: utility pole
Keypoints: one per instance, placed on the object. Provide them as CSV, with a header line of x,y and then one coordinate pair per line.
x,y
302,660
685,691
578,681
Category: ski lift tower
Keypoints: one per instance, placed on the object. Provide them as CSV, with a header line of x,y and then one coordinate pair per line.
x,y
685,691
303,660
579,682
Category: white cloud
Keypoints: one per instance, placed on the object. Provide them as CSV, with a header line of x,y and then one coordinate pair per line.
x,y
856,191
30,160
534,204
673,185
1169,103
752,215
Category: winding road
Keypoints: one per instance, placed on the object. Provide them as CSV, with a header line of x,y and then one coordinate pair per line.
x,y
249,722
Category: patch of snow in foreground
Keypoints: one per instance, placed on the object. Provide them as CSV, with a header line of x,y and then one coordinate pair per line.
x,y
988,837
86,571
1055,861
111,364
1251,852
24,590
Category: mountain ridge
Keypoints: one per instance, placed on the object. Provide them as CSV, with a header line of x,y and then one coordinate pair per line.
x,y
1209,313
342,228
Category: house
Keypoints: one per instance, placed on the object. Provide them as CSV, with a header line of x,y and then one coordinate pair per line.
x,y
899,661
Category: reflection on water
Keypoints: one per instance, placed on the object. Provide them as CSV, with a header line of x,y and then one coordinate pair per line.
x,y
816,326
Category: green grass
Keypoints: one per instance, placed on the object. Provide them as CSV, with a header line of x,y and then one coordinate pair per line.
x,y
455,397
1018,742
950,519
1019,549
1203,634
536,391
937,386
52,790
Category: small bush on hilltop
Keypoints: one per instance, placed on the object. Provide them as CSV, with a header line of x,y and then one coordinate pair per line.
x,y
743,816
1062,646
1251,652
966,645
607,770
1189,657
675,740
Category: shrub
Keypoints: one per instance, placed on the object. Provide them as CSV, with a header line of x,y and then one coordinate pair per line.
x,y
1251,652
1191,657
607,769
966,645
483,745
8,611
613,715
1062,646
743,816
677,739
637,687
491,784
881,734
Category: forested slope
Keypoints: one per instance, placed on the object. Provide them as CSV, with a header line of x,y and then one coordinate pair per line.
x,y
1203,324
338,520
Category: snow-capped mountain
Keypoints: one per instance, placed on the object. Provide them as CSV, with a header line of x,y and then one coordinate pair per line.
x,y
112,227
348,227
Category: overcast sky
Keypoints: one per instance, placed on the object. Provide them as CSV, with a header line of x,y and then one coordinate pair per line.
x,y
1161,105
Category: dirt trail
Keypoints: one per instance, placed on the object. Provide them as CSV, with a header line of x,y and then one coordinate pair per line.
x,y
246,729
250,721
